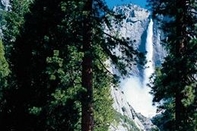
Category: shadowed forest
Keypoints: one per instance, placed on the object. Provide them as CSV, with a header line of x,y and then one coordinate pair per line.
x,y
55,57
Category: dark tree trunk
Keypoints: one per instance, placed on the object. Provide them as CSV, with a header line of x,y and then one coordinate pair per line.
x,y
87,97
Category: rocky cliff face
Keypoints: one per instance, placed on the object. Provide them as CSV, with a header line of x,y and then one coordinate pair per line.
x,y
135,29
132,100
128,119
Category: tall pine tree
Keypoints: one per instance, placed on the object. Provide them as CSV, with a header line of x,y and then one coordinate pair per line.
x,y
87,83
174,86
58,66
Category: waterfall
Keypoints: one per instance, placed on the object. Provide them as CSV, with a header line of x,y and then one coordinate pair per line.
x,y
149,56
137,91
149,68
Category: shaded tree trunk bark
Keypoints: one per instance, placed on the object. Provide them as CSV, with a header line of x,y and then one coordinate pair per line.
x,y
87,75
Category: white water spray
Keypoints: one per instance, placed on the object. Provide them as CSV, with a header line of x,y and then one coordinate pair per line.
x,y
136,91
149,70
149,56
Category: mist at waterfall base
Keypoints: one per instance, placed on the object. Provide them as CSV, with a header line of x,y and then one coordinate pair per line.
x,y
136,90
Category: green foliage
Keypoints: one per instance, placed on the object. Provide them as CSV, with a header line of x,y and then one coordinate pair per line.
x,y
127,122
103,110
166,120
189,95
42,89
13,20
43,43
174,85
4,67
102,82
57,66
35,110
4,70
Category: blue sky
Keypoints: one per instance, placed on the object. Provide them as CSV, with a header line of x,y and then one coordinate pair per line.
x,y
112,3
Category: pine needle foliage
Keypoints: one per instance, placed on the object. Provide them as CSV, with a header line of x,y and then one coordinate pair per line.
x,y
174,84
45,50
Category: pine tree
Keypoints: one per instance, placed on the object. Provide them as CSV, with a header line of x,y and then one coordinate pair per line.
x,y
87,83
58,67
175,83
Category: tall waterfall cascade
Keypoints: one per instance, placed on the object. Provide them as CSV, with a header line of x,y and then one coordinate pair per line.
x,y
149,67
139,27
133,94
135,88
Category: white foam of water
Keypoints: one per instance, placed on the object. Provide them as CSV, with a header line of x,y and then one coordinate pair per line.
x,y
137,92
